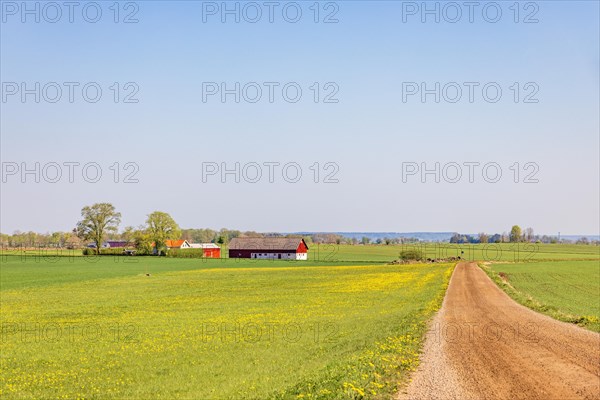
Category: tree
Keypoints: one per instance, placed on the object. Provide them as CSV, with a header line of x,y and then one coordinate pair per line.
x,y
495,238
31,239
73,242
458,238
515,234
162,227
98,221
365,240
128,234
56,239
142,241
412,255
483,238
529,236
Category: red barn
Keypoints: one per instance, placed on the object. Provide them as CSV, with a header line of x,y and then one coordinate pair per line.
x,y
269,248
210,250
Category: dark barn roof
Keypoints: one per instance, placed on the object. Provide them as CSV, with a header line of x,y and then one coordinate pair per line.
x,y
285,244
117,243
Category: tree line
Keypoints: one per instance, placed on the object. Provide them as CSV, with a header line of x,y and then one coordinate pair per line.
x,y
100,222
516,235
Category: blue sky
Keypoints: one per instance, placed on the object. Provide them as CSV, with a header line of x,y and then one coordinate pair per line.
x,y
369,133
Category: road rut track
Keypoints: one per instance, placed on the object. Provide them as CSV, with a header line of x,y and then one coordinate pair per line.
x,y
483,345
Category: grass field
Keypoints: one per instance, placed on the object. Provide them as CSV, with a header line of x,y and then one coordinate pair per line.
x,y
341,325
41,270
566,290
199,330
513,252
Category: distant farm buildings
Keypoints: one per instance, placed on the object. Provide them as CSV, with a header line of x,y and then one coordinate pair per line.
x,y
111,244
209,250
269,248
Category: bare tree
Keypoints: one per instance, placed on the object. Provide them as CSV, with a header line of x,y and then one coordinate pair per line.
x,y
529,234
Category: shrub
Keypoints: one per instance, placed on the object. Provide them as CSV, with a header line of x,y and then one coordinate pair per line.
x,y
412,255
144,251
112,252
104,252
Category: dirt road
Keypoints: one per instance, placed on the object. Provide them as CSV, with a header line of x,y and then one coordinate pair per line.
x,y
483,345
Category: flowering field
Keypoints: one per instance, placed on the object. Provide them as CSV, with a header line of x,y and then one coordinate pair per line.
x,y
193,331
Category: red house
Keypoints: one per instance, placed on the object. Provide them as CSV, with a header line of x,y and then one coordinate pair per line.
x,y
269,248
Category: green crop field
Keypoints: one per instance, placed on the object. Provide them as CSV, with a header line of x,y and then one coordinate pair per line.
x,y
43,269
565,290
72,328
341,325
513,252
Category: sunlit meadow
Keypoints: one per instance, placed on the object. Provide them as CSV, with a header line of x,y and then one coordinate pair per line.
x,y
194,330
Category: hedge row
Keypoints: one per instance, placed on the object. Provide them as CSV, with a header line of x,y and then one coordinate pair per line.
x,y
172,253
185,253
104,252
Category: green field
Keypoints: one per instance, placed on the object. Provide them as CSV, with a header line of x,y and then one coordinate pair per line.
x,y
194,329
42,270
341,325
565,290
513,252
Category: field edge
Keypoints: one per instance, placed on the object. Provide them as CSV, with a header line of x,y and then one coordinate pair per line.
x,y
533,304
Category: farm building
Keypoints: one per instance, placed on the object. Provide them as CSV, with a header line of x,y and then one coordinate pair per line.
x,y
111,244
115,244
211,250
269,248
177,244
